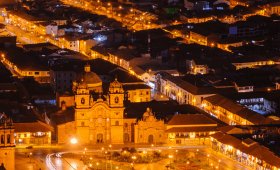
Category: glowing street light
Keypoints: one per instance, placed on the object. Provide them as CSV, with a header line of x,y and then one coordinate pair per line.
x,y
170,156
30,156
74,141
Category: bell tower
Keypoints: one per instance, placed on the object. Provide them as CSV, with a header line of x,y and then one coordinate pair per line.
x,y
116,94
82,96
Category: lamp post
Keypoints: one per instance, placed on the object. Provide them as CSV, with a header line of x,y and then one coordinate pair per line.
x,y
219,164
170,156
197,154
133,158
176,155
110,146
30,156
106,159
208,159
97,164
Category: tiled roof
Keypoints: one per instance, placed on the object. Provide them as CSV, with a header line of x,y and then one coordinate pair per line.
x,y
63,116
32,127
8,86
190,119
135,86
249,147
237,109
243,82
192,129
21,60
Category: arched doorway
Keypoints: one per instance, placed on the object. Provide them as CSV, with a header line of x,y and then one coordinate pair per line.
x,y
126,137
99,138
151,139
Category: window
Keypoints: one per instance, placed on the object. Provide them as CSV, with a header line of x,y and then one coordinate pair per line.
x,y
70,81
58,81
58,75
64,74
83,114
8,138
147,99
36,73
134,93
2,139
99,120
147,92
83,100
25,135
117,123
125,125
19,135
70,45
140,136
160,135
116,99
117,114
30,73
64,81
83,124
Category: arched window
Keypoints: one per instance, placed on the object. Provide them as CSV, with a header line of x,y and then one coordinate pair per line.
x,y
83,124
8,138
2,139
125,125
117,123
160,135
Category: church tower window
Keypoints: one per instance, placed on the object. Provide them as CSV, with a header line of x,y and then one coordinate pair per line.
x,y
83,124
8,138
2,139
83,101
116,99
117,123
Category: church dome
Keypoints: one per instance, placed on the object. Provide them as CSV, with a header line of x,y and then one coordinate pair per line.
x,y
88,77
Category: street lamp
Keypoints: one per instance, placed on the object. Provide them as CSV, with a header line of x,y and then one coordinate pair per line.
x,y
134,157
176,155
106,159
74,141
30,156
110,146
208,159
197,154
97,165
170,156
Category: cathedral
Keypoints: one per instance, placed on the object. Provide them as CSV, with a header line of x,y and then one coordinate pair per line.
x,y
98,115
100,118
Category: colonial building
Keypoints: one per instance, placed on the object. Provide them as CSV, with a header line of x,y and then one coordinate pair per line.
x,y
97,119
150,129
33,133
190,129
7,151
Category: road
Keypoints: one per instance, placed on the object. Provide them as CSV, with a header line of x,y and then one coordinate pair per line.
x,y
23,36
46,157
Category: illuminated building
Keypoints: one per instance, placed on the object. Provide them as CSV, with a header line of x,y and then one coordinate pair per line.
x,y
7,144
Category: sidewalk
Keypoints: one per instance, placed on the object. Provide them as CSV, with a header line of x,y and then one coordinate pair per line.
x,y
22,162
218,154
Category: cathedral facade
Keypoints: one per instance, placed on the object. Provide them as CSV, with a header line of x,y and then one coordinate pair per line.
x,y
100,118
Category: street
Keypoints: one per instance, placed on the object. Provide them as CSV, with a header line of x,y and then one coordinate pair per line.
x,y
40,156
